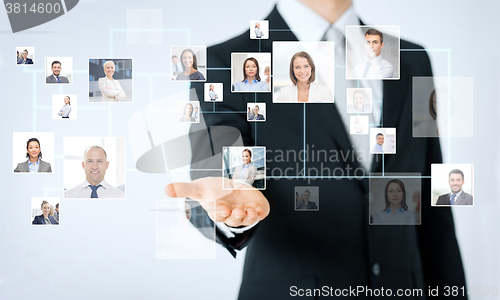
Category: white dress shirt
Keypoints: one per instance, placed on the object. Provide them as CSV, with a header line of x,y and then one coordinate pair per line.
x,y
379,69
317,93
83,190
111,90
65,110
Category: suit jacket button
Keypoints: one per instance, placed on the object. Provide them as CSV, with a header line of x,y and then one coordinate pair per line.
x,y
376,269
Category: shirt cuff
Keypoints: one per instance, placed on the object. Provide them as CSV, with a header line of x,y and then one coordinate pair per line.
x,y
231,232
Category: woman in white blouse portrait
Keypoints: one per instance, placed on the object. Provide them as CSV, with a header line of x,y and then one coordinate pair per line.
x,y
304,89
66,109
110,88
246,172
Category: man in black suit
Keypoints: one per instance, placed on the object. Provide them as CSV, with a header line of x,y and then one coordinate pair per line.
x,y
56,74
335,246
457,196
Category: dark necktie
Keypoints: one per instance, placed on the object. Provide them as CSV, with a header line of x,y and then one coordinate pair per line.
x,y
452,200
94,190
58,80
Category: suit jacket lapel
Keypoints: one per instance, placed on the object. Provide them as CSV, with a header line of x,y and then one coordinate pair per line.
x,y
26,166
461,199
42,166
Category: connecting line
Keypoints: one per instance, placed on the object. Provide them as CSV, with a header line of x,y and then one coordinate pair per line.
x,y
259,45
113,30
151,75
292,30
449,105
255,123
218,69
109,118
255,128
346,177
26,70
304,142
224,112
382,125
426,49
34,102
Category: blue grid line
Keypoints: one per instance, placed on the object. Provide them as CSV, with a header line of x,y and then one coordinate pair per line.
x,y
113,30
345,177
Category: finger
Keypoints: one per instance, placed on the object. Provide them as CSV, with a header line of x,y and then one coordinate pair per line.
x,y
236,217
261,212
221,213
249,219
178,190
251,213
238,213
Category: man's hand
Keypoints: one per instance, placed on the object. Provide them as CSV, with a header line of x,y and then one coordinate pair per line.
x,y
242,206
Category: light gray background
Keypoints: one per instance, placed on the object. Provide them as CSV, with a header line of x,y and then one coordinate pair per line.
x,y
108,251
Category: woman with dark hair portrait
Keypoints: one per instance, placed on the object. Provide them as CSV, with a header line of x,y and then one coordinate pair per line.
x,y
188,114
34,163
190,67
251,78
66,109
45,218
304,89
304,203
396,210
429,127
245,172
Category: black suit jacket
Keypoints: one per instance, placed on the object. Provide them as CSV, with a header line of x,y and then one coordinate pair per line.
x,y
40,220
335,246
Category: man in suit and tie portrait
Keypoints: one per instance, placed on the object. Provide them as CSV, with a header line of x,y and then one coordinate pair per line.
x,y
95,163
56,74
457,196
